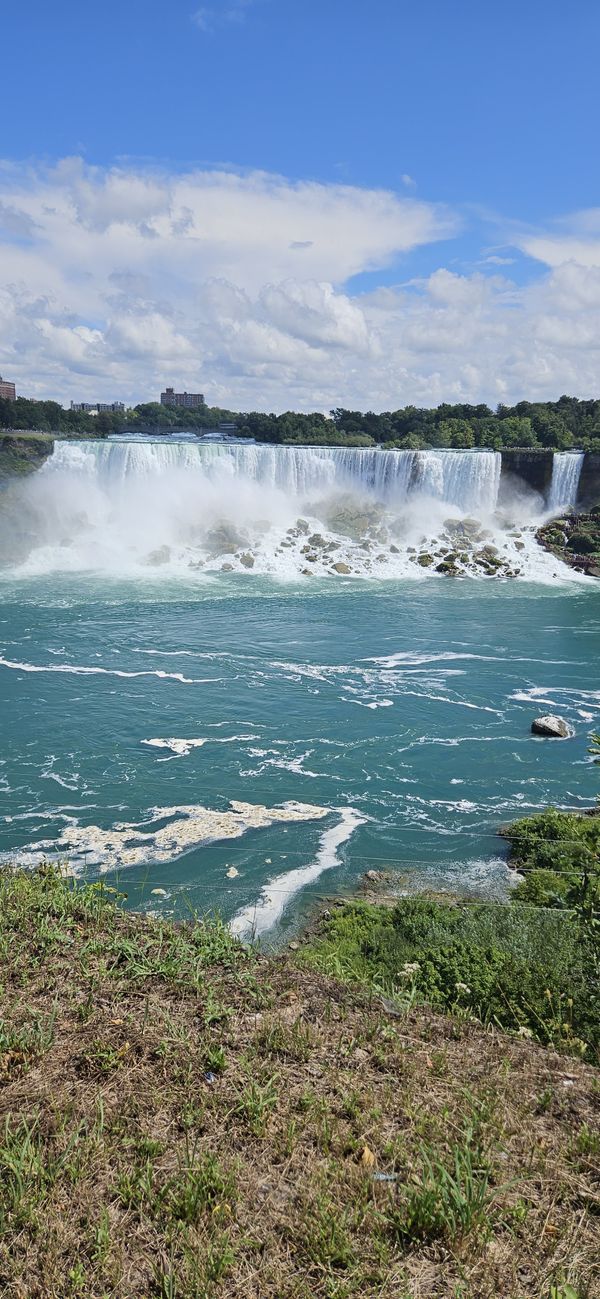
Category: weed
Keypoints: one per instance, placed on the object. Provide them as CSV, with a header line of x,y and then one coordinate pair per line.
x,y
446,1202
325,1235
285,1042
256,1102
199,1186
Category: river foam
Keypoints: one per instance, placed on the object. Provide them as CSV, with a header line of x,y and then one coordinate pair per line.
x,y
135,843
257,918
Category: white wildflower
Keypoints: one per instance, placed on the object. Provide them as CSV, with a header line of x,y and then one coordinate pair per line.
x,y
409,969
462,987
523,1031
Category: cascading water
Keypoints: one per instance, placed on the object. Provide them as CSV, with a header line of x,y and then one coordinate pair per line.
x,y
566,472
183,506
467,479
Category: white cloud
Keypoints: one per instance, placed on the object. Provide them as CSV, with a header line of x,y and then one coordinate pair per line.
x,y
115,282
210,16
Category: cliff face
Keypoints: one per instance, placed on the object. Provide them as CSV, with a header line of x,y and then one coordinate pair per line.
x,y
589,483
534,468
22,453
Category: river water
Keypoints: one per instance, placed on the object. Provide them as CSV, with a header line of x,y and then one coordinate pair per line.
x,y
168,723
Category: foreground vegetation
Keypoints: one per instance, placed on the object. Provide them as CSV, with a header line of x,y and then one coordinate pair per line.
x,y
530,967
557,425
575,538
184,1119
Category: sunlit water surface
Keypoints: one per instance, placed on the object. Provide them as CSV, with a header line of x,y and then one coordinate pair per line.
x,y
357,724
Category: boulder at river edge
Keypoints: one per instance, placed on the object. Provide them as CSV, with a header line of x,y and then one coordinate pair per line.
x,y
554,728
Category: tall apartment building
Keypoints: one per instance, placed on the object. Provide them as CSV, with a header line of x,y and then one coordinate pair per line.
x,y
190,399
7,389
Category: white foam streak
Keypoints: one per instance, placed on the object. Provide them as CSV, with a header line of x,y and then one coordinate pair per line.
x,y
181,748
76,669
137,843
257,918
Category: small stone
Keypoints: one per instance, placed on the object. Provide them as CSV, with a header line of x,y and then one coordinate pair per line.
x,y
159,893
247,560
232,873
293,946
341,568
227,568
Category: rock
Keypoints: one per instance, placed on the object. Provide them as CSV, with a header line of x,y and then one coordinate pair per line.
x,y
227,568
316,540
553,727
232,873
373,876
311,558
159,893
224,540
395,550
425,560
341,568
160,556
302,525
247,560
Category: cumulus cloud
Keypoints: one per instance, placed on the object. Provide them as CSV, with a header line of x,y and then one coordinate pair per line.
x,y
116,282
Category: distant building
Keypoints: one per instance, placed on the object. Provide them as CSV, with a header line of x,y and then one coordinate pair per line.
x,y
192,400
7,390
96,407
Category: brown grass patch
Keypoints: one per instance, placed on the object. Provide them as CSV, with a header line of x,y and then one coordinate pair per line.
x,y
186,1120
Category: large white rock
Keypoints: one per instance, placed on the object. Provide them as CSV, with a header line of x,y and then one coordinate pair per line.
x,y
554,728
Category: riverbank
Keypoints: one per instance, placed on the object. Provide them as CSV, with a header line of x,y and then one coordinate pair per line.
x,y
184,1117
575,539
23,453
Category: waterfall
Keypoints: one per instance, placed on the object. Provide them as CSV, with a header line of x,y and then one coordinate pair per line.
x,y
466,479
181,507
566,471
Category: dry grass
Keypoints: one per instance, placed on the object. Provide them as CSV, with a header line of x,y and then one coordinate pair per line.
x,y
182,1119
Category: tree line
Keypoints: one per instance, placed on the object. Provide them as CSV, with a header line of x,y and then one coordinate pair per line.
x,y
559,425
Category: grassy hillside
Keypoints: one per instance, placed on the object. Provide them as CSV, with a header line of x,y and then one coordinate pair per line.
x,y
183,1118
21,453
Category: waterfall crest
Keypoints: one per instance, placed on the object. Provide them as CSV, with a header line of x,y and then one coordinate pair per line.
x,y
466,479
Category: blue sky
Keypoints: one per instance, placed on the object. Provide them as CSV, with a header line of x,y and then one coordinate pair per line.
x,y
464,134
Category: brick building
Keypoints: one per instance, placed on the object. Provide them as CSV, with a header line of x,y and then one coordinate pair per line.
x,y
192,400
7,389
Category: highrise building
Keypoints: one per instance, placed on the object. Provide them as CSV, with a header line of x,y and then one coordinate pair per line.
x,y
7,390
